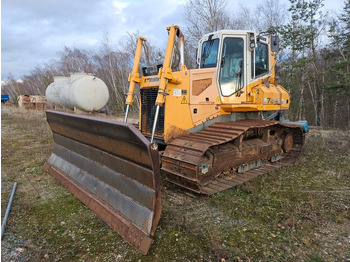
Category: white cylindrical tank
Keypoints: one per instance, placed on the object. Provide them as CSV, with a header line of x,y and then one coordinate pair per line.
x,y
53,90
83,91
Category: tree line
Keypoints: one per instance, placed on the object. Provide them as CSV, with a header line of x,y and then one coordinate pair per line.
x,y
313,63
109,63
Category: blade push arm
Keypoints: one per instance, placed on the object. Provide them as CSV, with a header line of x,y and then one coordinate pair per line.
x,y
134,77
165,75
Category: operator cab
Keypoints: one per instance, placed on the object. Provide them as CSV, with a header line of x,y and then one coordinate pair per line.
x,y
241,57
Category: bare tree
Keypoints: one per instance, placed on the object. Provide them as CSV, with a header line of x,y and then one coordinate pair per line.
x,y
12,87
244,19
108,61
205,16
75,60
269,14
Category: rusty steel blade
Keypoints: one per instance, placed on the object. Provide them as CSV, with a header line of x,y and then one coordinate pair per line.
x,y
113,169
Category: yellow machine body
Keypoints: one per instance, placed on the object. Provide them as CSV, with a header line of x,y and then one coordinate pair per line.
x,y
196,97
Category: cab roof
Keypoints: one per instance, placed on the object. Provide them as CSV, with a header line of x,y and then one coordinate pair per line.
x,y
228,32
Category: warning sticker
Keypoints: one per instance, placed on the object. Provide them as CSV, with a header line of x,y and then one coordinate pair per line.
x,y
176,92
184,100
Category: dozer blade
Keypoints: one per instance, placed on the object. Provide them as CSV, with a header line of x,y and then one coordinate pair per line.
x,y
113,169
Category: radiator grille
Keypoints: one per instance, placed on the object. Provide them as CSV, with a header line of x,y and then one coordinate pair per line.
x,y
148,109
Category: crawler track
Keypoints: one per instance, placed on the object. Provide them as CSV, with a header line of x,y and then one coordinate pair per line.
x,y
228,154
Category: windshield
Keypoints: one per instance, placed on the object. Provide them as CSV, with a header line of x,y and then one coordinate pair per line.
x,y
231,69
209,53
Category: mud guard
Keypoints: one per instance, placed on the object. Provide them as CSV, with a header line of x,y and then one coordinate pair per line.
x,y
113,169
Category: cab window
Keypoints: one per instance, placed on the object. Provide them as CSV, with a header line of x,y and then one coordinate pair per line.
x,y
231,66
261,60
209,54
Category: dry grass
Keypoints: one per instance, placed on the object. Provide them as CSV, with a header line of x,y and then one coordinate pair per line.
x,y
299,213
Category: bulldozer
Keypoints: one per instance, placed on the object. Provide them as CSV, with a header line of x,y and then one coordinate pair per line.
x,y
205,130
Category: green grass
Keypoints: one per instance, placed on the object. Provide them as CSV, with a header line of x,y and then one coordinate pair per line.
x,y
297,213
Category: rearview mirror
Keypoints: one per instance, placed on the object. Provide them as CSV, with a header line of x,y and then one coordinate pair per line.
x,y
275,43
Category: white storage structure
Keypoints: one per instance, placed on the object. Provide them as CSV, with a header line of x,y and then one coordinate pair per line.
x,y
82,91
53,90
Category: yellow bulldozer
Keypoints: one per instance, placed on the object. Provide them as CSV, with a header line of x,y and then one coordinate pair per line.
x,y
206,130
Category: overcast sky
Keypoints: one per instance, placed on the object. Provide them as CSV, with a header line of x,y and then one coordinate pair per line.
x,y
34,31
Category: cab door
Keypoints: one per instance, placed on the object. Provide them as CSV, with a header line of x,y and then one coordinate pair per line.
x,y
231,75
